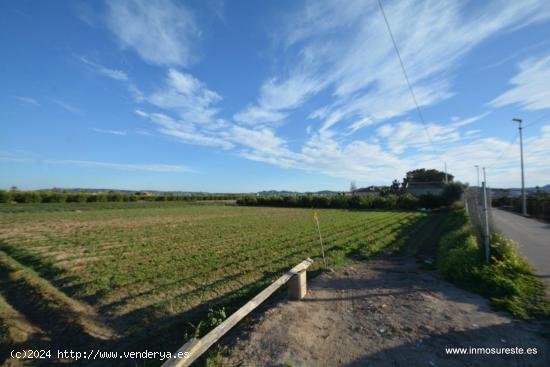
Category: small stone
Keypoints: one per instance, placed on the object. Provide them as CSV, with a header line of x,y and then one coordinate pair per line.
x,y
503,340
382,330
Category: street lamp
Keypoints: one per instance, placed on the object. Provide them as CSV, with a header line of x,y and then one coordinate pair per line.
x,y
523,196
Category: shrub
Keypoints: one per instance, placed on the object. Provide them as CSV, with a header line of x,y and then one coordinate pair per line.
x,y
452,192
507,280
76,198
114,197
407,201
52,197
23,197
5,197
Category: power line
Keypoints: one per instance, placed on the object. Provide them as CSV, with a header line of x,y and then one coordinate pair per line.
x,y
405,74
539,120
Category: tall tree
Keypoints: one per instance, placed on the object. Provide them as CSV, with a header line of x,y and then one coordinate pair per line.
x,y
426,175
395,187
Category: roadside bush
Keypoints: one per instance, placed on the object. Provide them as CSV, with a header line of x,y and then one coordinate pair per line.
x,y
507,280
538,205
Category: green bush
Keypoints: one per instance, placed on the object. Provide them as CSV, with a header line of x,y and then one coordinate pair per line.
x,y
76,198
391,201
507,280
407,201
23,197
5,197
52,197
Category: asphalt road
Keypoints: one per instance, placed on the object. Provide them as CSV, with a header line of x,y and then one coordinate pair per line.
x,y
533,237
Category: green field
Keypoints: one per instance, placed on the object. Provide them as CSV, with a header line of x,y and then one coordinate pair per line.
x,y
132,273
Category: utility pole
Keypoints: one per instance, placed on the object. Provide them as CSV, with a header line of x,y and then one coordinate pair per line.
x,y
477,168
446,177
486,219
523,196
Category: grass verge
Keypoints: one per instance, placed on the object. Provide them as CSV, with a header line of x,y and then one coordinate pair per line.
x,y
507,280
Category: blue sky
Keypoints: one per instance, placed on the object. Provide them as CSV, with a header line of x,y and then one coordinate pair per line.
x,y
241,96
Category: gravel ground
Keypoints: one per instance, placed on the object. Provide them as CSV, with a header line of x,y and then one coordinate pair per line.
x,y
384,312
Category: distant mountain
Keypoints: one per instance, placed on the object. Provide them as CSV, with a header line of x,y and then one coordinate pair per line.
x,y
184,193
196,193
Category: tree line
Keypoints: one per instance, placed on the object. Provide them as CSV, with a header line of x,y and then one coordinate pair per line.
x,y
538,205
390,201
25,197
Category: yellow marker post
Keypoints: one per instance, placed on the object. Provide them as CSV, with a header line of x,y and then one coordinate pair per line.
x,y
316,218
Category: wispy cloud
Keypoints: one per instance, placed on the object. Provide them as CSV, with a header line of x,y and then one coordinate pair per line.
x,y
111,73
406,134
188,97
161,32
339,67
167,168
67,106
457,122
184,131
345,49
111,132
28,101
530,86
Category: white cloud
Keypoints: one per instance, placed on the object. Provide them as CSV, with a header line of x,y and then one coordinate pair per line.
x,y
457,122
28,101
340,52
187,96
371,162
403,135
111,132
136,93
169,168
111,73
345,49
530,86
184,131
67,106
255,115
125,166
161,32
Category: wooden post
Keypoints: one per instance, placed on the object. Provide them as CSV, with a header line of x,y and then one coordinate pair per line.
x,y
194,348
297,286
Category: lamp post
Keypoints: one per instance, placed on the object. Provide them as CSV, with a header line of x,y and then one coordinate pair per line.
x,y
523,196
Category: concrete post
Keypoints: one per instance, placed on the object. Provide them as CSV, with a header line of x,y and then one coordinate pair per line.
x,y
297,286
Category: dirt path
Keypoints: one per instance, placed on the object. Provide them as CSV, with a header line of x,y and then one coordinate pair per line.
x,y
385,313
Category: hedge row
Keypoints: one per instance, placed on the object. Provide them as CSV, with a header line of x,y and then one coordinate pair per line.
x,y
507,280
406,202
23,197
538,206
